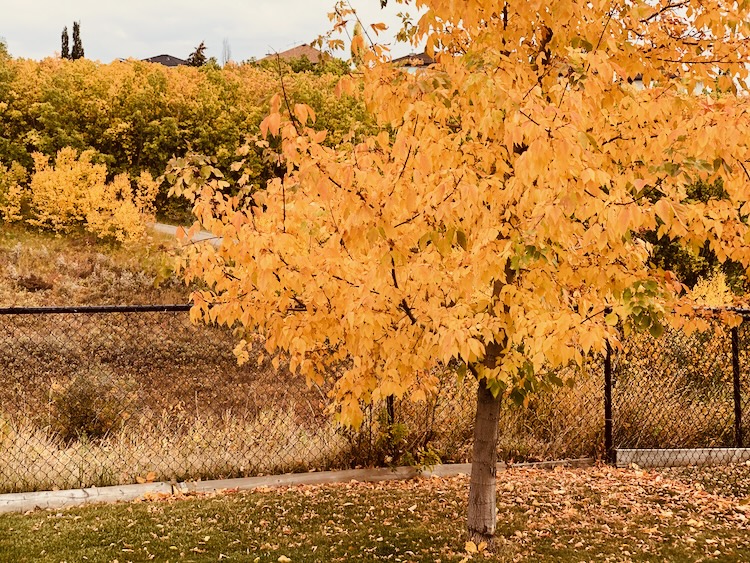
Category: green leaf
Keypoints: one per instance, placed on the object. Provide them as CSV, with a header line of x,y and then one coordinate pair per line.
x,y
461,372
461,239
656,329
495,387
555,380
517,396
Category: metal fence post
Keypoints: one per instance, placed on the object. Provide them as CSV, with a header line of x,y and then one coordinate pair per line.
x,y
737,389
608,441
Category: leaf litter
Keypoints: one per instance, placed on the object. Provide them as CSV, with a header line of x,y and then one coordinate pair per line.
x,y
591,514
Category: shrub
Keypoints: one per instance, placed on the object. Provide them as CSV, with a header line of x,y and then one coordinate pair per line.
x,y
90,405
74,193
11,192
713,291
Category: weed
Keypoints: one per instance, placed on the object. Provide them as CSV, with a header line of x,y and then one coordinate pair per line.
x,y
90,406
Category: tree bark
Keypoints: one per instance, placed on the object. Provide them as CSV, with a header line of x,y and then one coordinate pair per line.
x,y
482,516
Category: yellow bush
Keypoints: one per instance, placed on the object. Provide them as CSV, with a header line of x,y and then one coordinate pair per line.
x,y
62,194
74,193
713,291
11,192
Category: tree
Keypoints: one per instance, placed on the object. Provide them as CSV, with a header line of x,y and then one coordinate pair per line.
x,y
495,224
358,44
226,52
198,57
77,51
64,48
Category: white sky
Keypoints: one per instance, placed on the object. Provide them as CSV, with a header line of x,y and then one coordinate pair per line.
x,y
140,29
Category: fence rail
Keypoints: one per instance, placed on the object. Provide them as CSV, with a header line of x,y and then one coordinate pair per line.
x,y
115,395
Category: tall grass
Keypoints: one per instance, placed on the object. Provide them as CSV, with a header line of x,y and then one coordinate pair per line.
x,y
160,448
283,436
677,392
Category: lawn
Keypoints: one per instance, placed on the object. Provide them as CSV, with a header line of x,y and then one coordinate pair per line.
x,y
594,514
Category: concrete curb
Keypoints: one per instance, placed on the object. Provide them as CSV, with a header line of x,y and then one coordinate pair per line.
x,y
681,457
23,502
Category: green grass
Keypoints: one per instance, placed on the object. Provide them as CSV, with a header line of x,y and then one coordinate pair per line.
x,y
599,514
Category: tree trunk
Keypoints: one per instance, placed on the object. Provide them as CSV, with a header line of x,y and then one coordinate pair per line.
x,y
482,512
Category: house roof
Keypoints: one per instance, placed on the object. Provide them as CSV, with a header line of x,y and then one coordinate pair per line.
x,y
166,60
415,59
310,53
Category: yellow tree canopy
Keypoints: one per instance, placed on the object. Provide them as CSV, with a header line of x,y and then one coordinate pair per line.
x,y
503,203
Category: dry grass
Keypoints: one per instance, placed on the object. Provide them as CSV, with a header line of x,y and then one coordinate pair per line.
x,y
204,416
289,434
676,392
98,400
41,269
164,448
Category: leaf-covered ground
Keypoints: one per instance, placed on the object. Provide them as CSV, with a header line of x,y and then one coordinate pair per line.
x,y
599,514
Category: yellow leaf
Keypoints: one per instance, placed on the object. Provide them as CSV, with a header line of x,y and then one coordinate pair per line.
x,y
358,45
271,124
345,86
301,113
664,210
275,104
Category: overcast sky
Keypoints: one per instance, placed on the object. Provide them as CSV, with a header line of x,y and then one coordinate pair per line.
x,y
140,29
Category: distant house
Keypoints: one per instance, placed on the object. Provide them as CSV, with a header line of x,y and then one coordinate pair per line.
x,y
301,51
166,60
414,61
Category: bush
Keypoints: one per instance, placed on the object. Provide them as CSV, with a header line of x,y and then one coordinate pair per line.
x,y
74,193
89,406
11,192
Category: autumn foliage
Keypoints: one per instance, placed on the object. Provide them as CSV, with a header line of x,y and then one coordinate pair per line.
x,y
135,116
73,193
501,202
497,222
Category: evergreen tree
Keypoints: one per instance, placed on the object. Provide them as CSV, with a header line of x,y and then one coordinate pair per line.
x,y
77,51
65,49
198,57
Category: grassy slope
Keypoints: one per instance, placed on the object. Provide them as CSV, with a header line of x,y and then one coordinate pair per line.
x,y
599,514
40,269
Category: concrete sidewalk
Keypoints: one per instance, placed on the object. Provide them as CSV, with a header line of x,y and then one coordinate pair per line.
x,y
200,236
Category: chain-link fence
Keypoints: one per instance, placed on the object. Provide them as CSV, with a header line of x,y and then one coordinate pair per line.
x,y
116,395
682,399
